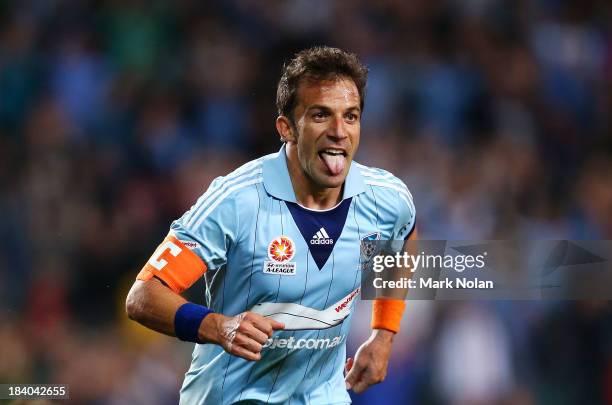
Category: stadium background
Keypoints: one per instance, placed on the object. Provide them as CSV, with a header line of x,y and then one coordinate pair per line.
x,y
115,115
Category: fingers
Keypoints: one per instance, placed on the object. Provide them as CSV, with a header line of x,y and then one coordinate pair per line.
x,y
266,325
246,333
244,341
360,387
254,333
367,379
360,375
353,375
349,365
244,353
277,325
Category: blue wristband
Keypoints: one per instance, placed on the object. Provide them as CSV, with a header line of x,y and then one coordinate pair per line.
x,y
187,321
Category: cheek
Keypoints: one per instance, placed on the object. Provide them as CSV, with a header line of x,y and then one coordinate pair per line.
x,y
355,135
306,151
307,142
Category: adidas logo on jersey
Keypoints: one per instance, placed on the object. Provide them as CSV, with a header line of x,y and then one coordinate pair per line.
x,y
321,238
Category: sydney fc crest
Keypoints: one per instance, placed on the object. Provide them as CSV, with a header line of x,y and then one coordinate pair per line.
x,y
369,246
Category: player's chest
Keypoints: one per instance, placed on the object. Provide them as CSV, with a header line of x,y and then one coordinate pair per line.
x,y
291,252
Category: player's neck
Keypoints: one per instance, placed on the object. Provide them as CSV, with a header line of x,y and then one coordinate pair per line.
x,y
307,193
318,199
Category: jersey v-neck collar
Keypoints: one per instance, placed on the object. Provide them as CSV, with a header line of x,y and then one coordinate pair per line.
x,y
320,229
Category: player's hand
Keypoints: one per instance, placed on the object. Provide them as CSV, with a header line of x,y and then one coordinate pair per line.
x,y
371,360
242,335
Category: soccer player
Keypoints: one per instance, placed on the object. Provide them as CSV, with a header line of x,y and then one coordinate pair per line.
x,y
278,244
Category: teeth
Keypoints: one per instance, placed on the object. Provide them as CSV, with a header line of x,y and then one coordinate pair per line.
x,y
333,152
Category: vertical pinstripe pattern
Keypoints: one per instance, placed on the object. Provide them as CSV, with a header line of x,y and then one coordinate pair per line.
x,y
229,358
280,210
293,333
380,196
251,278
375,205
324,306
355,281
246,307
278,369
355,217
310,358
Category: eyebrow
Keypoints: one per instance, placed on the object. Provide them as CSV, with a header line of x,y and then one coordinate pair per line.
x,y
325,108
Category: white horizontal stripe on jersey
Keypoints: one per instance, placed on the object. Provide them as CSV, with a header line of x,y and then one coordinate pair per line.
x,y
374,170
403,192
389,178
383,176
244,169
210,196
300,317
224,195
406,201
379,176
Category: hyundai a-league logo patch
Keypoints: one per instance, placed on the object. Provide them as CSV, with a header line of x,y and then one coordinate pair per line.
x,y
280,252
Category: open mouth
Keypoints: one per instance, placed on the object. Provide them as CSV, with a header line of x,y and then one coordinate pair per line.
x,y
334,160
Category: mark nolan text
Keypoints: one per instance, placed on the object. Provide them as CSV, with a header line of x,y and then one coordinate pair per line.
x,y
457,283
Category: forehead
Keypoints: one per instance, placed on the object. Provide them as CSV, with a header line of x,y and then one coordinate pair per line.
x,y
341,91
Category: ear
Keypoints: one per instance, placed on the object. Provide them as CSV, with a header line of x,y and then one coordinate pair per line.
x,y
285,129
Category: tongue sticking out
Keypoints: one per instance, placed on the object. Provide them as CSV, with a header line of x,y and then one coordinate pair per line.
x,y
334,163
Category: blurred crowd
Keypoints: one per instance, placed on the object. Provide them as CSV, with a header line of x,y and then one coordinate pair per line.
x,y
116,115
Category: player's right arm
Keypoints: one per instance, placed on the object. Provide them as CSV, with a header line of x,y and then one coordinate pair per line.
x,y
155,302
155,306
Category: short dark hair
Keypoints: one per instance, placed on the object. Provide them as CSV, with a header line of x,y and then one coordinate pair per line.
x,y
318,64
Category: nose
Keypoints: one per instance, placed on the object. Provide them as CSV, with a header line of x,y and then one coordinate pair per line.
x,y
337,128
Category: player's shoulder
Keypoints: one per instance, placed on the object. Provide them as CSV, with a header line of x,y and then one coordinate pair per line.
x,y
226,193
381,179
385,188
241,183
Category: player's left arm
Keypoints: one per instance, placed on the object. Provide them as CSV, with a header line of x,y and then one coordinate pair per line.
x,y
372,358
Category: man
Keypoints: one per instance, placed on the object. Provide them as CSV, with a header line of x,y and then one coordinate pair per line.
x,y
278,243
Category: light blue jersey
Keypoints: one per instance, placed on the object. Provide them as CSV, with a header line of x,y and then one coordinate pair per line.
x,y
267,254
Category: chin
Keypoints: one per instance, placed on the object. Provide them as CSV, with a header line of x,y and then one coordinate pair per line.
x,y
332,181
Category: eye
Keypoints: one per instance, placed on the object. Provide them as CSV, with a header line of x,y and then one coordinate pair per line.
x,y
351,117
319,115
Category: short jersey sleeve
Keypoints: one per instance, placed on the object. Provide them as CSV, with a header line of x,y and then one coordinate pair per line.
x,y
406,214
205,233
210,229
387,313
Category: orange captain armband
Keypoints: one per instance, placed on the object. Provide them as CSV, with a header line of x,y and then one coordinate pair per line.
x,y
387,314
175,264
